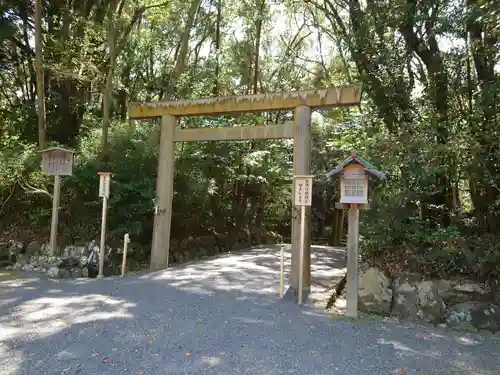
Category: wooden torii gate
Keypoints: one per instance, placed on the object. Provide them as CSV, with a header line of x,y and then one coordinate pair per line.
x,y
302,102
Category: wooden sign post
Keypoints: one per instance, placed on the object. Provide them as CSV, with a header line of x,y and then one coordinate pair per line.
x,y
352,260
104,183
282,271
354,173
303,198
56,162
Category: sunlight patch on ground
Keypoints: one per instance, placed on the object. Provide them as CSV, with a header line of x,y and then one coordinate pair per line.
x,y
46,316
468,341
404,350
16,281
236,271
210,361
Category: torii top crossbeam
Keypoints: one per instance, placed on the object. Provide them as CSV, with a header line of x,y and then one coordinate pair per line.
x,y
342,96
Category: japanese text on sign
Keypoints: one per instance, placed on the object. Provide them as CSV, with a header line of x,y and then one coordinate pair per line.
x,y
104,182
57,162
303,191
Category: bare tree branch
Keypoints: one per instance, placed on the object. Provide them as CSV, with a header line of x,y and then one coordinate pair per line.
x,y
12,190
33,190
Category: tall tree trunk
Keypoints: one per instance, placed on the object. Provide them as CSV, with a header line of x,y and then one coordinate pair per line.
x,y
39,75
213,172
180,63
244,214
258,36
216,88
107,97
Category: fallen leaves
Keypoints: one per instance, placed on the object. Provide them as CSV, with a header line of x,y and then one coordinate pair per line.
x,y
188,354
400,370
103,358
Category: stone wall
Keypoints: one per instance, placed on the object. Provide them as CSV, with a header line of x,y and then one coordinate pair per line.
x,y
460,304
77,261
33,257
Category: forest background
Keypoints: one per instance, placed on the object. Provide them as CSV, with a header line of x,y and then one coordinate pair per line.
x,y
429,118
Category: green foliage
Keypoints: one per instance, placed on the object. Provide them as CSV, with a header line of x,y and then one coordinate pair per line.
x,y
132,189
398,239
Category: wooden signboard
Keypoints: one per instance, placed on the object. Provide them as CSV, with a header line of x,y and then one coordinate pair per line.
x,y
57,161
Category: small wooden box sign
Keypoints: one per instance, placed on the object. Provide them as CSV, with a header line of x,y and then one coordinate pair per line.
x,y
354,173
57,161
354,185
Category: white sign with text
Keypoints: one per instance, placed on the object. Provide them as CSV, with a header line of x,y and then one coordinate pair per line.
x,y
104,182
303,190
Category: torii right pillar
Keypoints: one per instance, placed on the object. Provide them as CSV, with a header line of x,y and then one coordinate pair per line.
x,y
301,166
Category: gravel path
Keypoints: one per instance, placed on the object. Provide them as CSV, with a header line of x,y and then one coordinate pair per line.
x,y
220,316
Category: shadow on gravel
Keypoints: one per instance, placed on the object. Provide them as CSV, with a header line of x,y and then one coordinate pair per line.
x,y
219,316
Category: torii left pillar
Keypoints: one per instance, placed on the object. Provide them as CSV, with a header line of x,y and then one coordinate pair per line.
x,y
164,194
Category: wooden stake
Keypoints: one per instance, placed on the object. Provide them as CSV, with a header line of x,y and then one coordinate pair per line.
x,y
126,240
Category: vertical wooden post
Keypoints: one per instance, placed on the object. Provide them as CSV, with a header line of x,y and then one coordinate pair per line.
x,y
102,244
301,166
164,194
126,240
55,214
352,261
282,271
301,253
